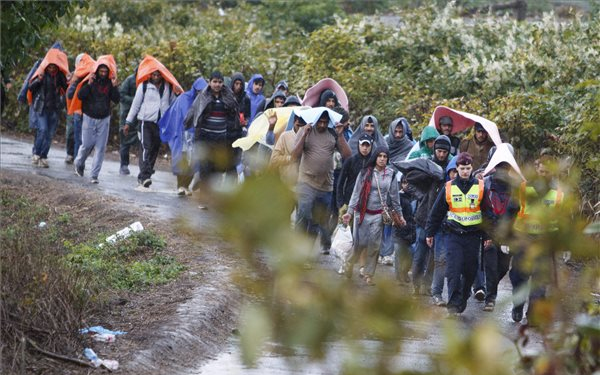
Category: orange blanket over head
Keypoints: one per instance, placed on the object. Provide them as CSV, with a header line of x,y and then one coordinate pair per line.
x,y
148,66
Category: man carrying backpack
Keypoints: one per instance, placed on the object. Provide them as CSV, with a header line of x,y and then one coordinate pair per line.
x,y
152,99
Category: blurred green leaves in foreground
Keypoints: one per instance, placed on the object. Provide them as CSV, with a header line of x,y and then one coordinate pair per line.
x,y
299,305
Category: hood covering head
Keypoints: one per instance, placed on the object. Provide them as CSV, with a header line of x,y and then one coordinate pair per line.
x,y
451,165
291,101
271,102
399,148
312,96
378,139
84,65
442,142
255,99
427,134
325,96
53,56
283,84
237,76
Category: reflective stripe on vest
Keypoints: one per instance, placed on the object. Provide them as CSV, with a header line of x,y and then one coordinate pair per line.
x,y
528,223
464,208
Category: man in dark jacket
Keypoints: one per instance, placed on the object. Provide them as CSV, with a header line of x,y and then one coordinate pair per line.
x,y
215,117
239,91
445,125
131,140
95,96
47,90
458,207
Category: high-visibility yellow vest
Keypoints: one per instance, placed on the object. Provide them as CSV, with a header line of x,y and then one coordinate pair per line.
x,y
527,221
464,208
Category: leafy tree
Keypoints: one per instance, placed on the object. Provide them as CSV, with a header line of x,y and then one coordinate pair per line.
x,y
24,24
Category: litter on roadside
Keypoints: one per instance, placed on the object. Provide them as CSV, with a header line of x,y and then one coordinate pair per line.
x,y
124,233
96,361
100,330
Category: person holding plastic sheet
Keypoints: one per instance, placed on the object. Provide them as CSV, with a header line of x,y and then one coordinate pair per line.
x,y
315,146
46,88
99,89
457,210
375,191
181,141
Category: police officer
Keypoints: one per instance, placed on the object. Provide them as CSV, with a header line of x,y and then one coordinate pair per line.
x,y
537,218
459,203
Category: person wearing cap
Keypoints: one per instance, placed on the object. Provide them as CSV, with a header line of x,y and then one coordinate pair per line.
x,y
445,125
428,271
537,221
350,170
478,146
315,146
425,150
255,93
281,157
457,210
215,116
152,99
368,125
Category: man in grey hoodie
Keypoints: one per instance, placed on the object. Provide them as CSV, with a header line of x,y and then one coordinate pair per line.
x,y
152,99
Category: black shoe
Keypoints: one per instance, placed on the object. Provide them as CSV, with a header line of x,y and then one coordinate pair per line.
x,y
325,251
79,171
517,314
479,295
147,182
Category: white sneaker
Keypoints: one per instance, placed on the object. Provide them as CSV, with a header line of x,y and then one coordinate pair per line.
x,y
44,163
388,260
35,160
180,191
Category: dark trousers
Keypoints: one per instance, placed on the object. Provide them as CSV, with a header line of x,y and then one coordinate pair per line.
x,y
496,266
461,267
70,136
126,142
150,146
421,275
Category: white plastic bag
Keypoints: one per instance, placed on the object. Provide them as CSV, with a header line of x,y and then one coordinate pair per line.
x,y
342,242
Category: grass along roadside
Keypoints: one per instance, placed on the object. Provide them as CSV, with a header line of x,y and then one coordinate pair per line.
x,y
53,277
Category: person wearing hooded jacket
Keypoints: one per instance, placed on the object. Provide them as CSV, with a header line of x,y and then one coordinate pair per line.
x,y
276,100
457,209
368,125
96,95
328,99
255,94
425,150
397,140
424,265
375,188
239,91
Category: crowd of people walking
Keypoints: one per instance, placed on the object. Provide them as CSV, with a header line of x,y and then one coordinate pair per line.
x,y
448,212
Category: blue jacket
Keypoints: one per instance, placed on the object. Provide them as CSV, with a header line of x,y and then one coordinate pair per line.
x,y
255,99
171,123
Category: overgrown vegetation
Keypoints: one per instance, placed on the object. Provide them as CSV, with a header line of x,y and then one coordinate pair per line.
x,y
50,284
536,79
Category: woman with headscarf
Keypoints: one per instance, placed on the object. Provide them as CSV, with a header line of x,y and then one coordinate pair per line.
x,y
368,125
397,139
375,190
